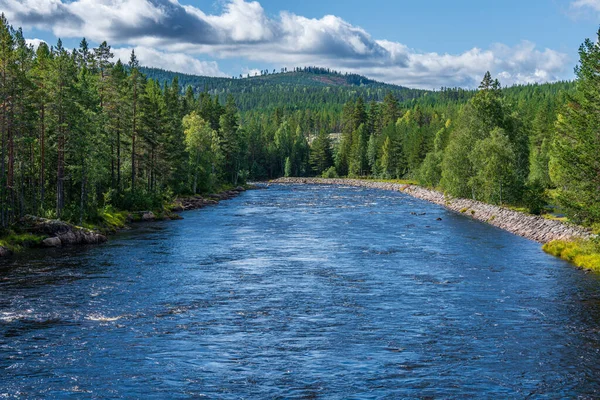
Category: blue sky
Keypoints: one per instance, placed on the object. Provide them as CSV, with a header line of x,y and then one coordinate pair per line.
x,y
425,44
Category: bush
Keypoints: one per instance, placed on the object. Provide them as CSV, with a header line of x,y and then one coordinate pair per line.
x,y
17,241
139,200
331,173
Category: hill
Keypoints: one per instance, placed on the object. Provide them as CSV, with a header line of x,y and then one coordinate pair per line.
x,y
305,88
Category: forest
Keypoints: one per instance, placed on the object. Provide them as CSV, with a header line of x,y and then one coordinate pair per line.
x,y
80,133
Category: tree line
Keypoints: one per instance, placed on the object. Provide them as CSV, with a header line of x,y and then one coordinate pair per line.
x,y
80,132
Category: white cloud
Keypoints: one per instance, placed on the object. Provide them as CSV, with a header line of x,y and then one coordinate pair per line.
x,y
178,62
34,42
249,71
165,31
593,4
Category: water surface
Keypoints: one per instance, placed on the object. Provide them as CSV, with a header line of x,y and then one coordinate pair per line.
x,y
301,292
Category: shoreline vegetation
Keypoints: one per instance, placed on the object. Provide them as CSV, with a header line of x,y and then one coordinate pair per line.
x,y
84,138
568,241
37,232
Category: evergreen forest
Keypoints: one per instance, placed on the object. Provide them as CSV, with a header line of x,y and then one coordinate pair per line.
x,y
80,133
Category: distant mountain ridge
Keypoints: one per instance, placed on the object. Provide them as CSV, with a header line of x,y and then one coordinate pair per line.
x,y
307,87
314,88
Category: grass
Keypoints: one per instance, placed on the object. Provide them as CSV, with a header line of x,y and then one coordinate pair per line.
x,y
15,242
108,220
553,217
520,209
583,253
397,181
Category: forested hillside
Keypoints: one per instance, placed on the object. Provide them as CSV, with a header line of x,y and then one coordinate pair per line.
x,y
80,133
304,88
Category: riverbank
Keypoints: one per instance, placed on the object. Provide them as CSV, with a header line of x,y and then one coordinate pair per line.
x,y
532,227
35,232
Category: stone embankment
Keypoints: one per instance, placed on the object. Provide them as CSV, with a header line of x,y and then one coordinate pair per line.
x,y
531,227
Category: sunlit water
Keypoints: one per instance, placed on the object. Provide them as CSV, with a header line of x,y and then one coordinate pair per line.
x,y
301,292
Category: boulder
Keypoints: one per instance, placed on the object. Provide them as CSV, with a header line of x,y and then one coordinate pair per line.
x,y
148,216
178,207
60,233
52,242
4,252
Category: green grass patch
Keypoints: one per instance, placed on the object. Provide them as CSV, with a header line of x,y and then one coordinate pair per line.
x,y
113,218
583,253
553,217
523,210
17,241
107,219
398,181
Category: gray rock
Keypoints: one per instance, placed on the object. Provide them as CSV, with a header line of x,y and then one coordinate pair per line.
x,y
4,252
148,216
52,242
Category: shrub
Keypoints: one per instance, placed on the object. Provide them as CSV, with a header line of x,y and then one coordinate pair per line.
x,y
330,173
17,241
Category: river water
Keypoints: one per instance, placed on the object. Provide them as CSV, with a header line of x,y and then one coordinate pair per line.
x,y
301,292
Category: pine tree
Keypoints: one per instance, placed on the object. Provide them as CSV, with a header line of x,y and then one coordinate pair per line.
x,y
136,88
228,135
321,158
574,167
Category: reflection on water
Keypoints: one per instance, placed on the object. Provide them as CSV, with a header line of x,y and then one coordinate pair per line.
x,y
301,291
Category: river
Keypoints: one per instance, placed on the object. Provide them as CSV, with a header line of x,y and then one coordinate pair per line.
x,y
301,292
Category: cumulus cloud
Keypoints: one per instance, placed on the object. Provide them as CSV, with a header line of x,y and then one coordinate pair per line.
x,y
34,42
168,29
250,71
593,4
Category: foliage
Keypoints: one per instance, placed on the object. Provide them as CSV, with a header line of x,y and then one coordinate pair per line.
x,y
574,165
331,173
15,242
583,253
90,134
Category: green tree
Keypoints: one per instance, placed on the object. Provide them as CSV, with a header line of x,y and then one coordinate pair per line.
x,y
228,136
494,161
200,141
321,158
574,166
358,156
288,167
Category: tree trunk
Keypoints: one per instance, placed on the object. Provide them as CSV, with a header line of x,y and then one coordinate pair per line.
x,y
119,157
60,174
82,199
133,133
43,159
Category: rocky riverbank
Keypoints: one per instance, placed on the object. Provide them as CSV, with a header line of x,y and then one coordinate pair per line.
x,y
41,232
59,233
196,202
531,227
